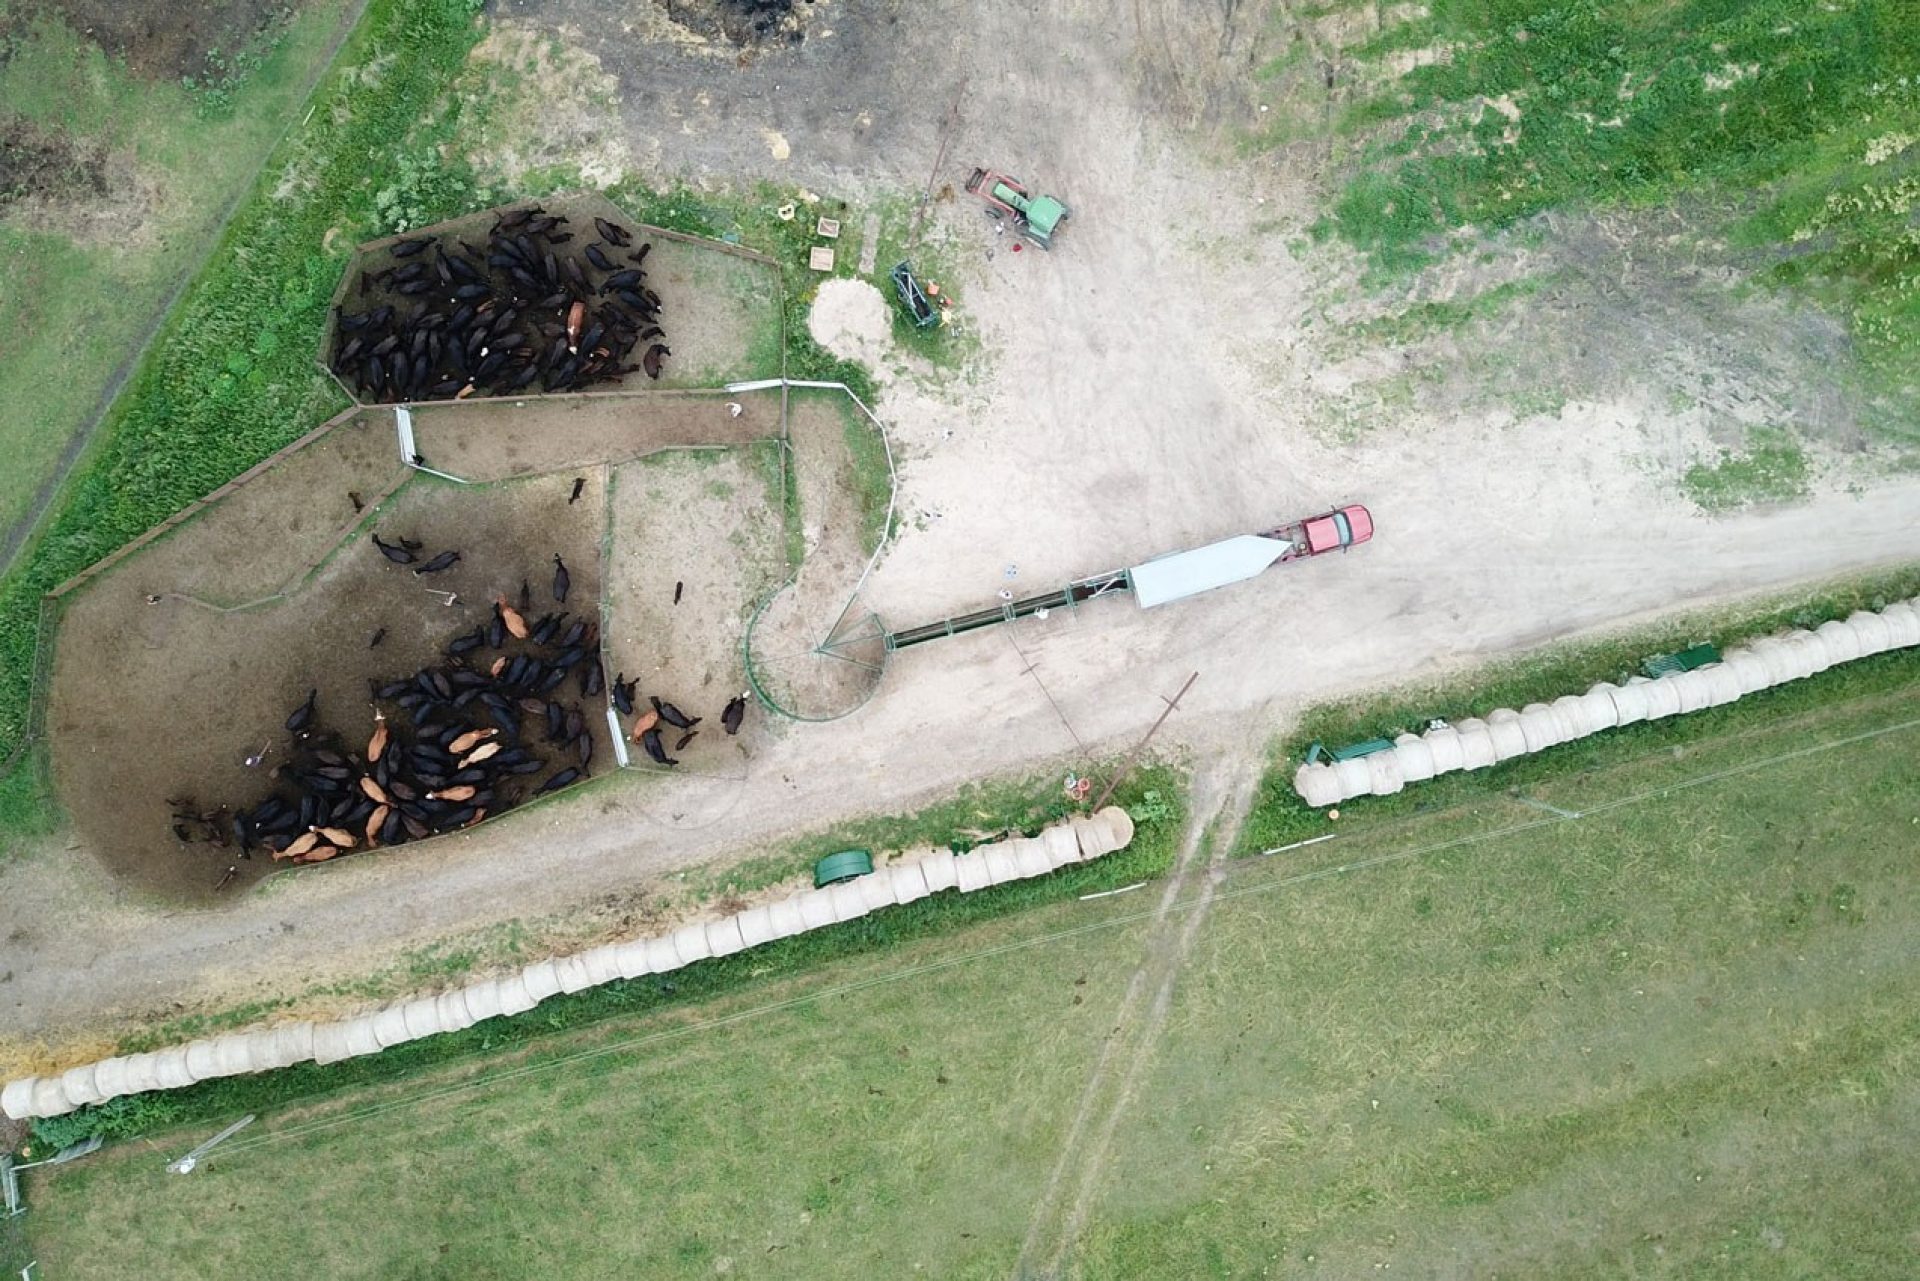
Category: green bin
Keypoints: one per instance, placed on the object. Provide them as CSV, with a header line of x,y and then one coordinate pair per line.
x,y
843,866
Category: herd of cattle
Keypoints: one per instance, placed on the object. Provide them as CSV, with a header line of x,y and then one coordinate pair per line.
x,y
447,319
455,741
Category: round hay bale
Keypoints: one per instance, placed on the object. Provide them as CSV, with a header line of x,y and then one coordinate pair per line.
x,y
1355,776
1748,669
1317,785
390,1027
690,943
1570,710
329,1044
542,979
756,927
1691,689
141,1075
786,918
1601,711
1000,863
942,871
1476,744
1809,652
876,891
661,958
847,901
110,1077
200,1061
603,962
1383,773
49,1099
1663,699
1061,844
1538,729
451,1009
16,1097
483,1000
1503,730
233,1054
1843,643
361,1037
816,909
973,871
170,1067
1415,757
1630,701
1091,837
724,937
907,881
78,1084
1119,825
295,1041
1778,658
1030,856
1444,745
1723,685
514,996
1903,624
1871,630
572,973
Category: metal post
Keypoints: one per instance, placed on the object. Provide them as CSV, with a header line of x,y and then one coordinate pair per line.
x,y
186,1163
1127,765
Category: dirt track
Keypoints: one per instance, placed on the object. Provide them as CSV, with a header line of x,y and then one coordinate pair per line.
x,y
1149,391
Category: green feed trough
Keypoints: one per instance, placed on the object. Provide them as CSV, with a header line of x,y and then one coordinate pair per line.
x,y
843,866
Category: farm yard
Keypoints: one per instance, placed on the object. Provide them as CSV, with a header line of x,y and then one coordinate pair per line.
x,y
1520,1020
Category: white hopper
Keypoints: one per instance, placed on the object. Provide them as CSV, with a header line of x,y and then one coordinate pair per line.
x,y
1354,777
1723,686
390,1027
16,1098
1690,688
816,908
846,900
1903,623
1874,635
572,973
908,881
1062,846
603,963
141,1075
973,872
756,927
1383,773
329,1044
1476,744
1571,711
723,936
1663,699
1843,643
542,980
1538,729
661,958
1415,757
1601,711
785,918
483,1000
875,890
170,1066
78,1084
1503,728
690,944
1444,743
1030,856
942,871
200,1062
48,1098
1317,785
1748,668
361,1038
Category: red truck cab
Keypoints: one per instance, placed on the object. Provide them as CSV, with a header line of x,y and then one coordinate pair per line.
x,y
1337,530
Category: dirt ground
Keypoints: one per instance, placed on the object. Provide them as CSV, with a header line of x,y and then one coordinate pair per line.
x,y
493,440
161,40
217,682
1110,431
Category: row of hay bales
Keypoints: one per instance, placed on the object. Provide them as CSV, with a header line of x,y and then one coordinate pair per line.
x,y
1478,742
1075,840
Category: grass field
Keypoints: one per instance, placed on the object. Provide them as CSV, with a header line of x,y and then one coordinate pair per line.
x,y
1672,1037
85,281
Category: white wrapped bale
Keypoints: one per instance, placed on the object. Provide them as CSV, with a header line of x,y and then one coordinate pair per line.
x,y
1030,856
1062,846
847,900
232,1054
816,908
514,996
724,937
572,973
1723,686
200,1064
756,927
1476,744
690,944
141,1074
1779,659
110,1077
661,957
1415,757
1571,711
483,1000
49,1099
1601,711
875,890
1690,688
293,1042
603,962
1119,825
329,1044
1503,729
16,1097
1903,624
785,918
1872,631
1748,669
1448,754
1809,652
1842,642
973,872
907,881
1663,698
1355,777
1538,729
1090,833
390,1027
362,1039
1383,773
79,1086
450,1008
942,872
170,1065
1000,863
1630,701
542,979
1318,785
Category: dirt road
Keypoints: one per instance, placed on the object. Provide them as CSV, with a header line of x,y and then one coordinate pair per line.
x,y
1151,385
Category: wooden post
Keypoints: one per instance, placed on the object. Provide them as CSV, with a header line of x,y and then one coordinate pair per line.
x,y
1127,765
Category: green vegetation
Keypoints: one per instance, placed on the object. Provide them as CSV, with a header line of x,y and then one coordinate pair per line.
x,y
871,475
1537,106
1279,816
1425,320
231,376
992,809
1771,469
141,174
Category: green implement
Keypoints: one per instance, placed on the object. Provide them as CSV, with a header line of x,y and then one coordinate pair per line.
x,y
919,307
844,866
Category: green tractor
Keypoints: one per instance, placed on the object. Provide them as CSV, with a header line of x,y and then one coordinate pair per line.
x,y
1035,217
